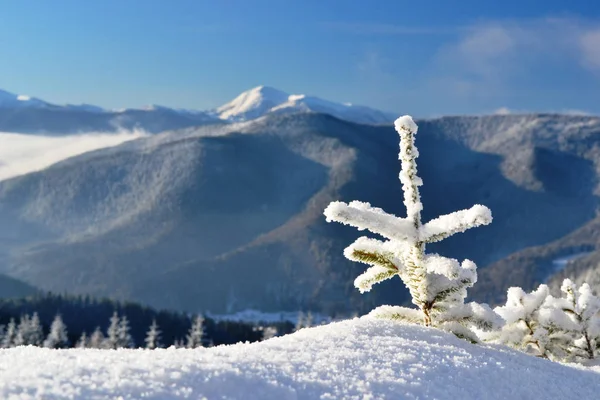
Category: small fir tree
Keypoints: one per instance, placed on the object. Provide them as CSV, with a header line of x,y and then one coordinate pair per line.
x,y
112,333
10,334
29,331
123,333
97,340
522,329
195,337
269,332
437,284
574,320
83,341
153,337
36,332
299,321
57,338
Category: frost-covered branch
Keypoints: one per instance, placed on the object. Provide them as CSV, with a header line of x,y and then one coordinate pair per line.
x,y
437,285
363,216
447,225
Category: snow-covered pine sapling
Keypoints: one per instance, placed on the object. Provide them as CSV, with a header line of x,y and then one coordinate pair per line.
x,y
57,338
195,336
153,336
522,329
575,320
437,284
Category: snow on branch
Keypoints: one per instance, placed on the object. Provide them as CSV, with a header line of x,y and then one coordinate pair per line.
x,y
363,216
447,225
404,314
438,285
365,281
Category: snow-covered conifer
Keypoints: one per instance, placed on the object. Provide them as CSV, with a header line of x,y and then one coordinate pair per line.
x,y
574,321
36,332
299,321
437,284
196,334
57,338
2,331
29,331
522,329
97,340
308,322
153,336
124,336
112,333
269,332
10,334
83,341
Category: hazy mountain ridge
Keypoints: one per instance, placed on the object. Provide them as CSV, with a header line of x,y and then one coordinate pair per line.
x,y
225,217
24,114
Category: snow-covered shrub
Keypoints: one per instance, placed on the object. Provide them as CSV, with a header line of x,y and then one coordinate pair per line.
x,y
574,320
522,329
561,329
438,285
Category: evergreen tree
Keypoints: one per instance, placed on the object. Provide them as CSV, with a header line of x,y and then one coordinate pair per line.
x,y
153,336
112,333
10,334
36,331
124,336
57,338
269,332
438,285
196,334
574,321
83,341
97,340
308,322
522,329
299,322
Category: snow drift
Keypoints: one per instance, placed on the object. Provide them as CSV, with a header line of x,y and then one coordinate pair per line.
x,y
355,359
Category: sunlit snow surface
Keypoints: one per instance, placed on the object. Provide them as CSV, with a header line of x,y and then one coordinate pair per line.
x,y
356,359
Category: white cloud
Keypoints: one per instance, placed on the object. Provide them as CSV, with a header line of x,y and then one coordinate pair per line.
x,y
590,48
21,153
492,54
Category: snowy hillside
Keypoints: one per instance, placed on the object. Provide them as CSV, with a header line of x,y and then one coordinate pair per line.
x,y
355,359
262,100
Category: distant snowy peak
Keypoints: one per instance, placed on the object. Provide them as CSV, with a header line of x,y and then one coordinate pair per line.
x,y
249,105
11,100
263,100
15,101
252,104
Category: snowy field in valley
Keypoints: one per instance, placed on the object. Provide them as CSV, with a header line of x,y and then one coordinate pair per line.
x,y
354,359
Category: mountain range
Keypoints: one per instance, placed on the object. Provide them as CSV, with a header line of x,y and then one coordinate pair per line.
x,y
25,114
227,215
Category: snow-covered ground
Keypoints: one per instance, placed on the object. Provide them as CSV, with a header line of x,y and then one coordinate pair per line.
x,y
354,359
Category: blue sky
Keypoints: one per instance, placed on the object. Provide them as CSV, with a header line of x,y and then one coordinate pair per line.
x,y
426,58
